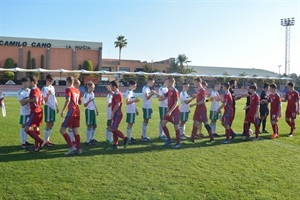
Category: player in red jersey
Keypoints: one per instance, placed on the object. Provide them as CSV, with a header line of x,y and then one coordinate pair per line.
x,y
173,114
34,121
72,119
252,115
275,102
200,114
116,115
228,112
292,109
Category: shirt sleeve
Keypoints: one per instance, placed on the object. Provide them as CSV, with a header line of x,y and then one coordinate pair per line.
x,y
68,93
44,91
85,98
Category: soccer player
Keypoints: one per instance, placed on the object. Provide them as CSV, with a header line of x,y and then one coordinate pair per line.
x,y
173,113
252,115
234,96
72,119
116,115
163,108
228,112
108,134
35,118
184,109
200,115
91,112
264,109
292,109
131,110
50,108
275,101
147,107
214,115
200,134
247,108
23,94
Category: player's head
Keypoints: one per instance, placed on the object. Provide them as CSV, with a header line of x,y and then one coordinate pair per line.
x,y
90,86
252,88
226,86
185,86
266,86
171,81
70,80
76,83
25,82
49,79
165,83
132,85
232,83
33,81
197,82
273,87
150,82
217,86
114,85
291,85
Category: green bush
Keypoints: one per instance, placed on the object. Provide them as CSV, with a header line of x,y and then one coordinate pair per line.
x,y
88,65
8,75
9,63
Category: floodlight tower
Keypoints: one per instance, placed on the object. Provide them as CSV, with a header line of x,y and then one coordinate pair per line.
x,y
287,22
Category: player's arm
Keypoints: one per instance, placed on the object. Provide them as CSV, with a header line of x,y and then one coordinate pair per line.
x,y
149,95
56,104
24,101
198,103
173,107
218,97
257,109
87,101
188,101
67,101
279,107
117,105
297,106
224,103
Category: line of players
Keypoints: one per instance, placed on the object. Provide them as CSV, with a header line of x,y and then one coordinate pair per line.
x,y
169,111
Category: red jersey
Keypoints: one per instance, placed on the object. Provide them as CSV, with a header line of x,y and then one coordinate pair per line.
x,y
275,102
201,96
37,94
74,95
173,96
292,98
228,109
117,98
254,102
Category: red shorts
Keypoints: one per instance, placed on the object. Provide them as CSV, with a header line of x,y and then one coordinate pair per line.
x,y
250,117
115,122
173,118
71,122
290,114
200,116
227,120
274,117
35,119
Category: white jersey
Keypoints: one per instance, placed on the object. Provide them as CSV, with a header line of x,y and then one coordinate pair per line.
x,y
24,94
146,103
162,91
108,109
214,104
86,97
131,108
51,99
183,97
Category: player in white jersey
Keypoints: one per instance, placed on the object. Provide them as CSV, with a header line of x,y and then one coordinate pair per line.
x,y
131,110
91,112
24,111
163,108
215,104
147,107
184,109
108,134
50,108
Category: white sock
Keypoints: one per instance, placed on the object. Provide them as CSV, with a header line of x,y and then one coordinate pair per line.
x,y
144,130
70,132
160,130
46,134
92,134
49,133
181,130
128,132
88,135
109,136
213,128
22,135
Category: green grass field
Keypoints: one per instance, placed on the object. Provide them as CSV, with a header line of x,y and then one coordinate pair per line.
x,y
265,169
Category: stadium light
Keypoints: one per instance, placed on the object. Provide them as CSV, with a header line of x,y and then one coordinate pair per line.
x,y
287,22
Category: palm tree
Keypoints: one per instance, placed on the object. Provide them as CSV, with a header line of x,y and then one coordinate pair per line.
x,y
181,60
120,43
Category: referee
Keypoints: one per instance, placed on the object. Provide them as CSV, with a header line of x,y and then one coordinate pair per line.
x,y
264,109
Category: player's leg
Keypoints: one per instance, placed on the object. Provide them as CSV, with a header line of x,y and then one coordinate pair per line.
x,y
23,134
162,113
77,138
130,119
213,116
175,118
195,129
256,125
88,133
147,115
274,126
32,120
206,125
63,130
94,126
166,130
108,134
116,132
183,119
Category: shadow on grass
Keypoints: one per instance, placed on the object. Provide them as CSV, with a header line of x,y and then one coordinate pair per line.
x,y
15,153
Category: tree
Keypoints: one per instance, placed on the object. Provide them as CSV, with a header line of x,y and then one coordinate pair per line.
x,y
29,64
120,43
178,66
181,60
8,75
9,63
88,65
148,68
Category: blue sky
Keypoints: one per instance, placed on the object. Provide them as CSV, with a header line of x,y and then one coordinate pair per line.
x,y
211,33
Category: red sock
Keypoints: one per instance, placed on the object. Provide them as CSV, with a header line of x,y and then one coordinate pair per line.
x,y
275,128
116,139
68,139
228,134
177,136
292,125
119,134
77,141
256,130
194,132
35,136
246,125
167,133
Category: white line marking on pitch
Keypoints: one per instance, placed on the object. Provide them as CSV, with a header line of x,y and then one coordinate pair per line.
x,y
289,146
